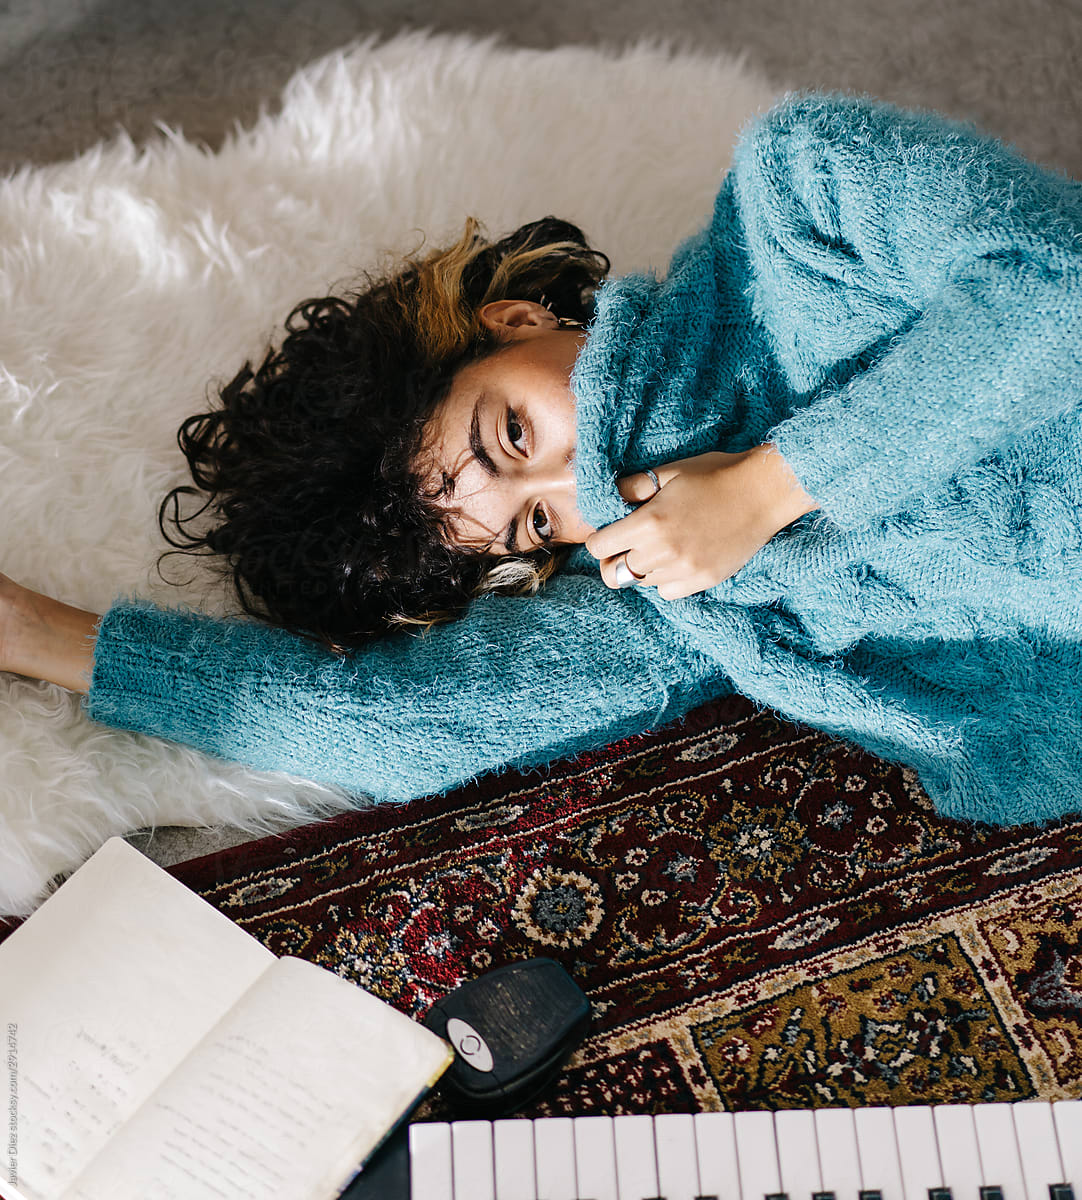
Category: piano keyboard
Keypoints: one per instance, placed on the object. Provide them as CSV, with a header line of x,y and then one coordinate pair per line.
x,y
1024,1151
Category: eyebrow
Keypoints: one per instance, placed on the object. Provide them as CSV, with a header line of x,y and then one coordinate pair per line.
x,y
477,448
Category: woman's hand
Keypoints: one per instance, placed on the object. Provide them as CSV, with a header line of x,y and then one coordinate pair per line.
x,y
710,515
45,639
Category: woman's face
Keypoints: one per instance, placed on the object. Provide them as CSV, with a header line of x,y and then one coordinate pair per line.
x,y
503,441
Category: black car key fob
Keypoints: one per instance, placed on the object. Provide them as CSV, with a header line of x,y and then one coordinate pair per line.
x,y
512,1030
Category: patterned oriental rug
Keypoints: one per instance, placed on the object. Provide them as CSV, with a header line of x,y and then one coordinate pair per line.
x,y
761,917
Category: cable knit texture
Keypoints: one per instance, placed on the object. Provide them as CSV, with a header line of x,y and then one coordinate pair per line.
x,y
893,301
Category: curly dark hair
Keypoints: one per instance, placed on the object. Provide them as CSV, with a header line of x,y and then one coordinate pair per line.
x,y
305,475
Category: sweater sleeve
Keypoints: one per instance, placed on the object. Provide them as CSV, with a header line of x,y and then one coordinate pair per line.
x,y
921,285
516,681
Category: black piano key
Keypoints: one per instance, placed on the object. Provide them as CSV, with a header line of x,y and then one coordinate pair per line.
x,y
822,1196
872,1194
1060,1191
942,1193
776,1196
993,1192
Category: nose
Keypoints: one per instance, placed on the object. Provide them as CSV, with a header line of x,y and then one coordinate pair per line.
x,y
555,478
553,483
549,479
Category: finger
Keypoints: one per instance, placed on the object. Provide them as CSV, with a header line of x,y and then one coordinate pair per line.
x,y
638,488
614,538
608,571
611,572
679,588
674,591
634,562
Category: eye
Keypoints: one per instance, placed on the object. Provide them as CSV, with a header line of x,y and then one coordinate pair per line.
x,y
515,433
542,526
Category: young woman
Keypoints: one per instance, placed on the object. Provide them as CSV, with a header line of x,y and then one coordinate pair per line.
x,y
836,453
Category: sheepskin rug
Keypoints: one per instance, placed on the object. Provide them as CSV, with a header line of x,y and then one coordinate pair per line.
x,y
133,279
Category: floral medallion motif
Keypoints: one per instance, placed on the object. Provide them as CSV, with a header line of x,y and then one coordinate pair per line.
x,y
559,908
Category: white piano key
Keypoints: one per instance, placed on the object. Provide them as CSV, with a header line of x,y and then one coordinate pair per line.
x,y
839,1159
677,1160
471,1160
757,1155
595,1158
877,1144
512,1144
798,1153
1067,1115
1038,1147
554,1158
1001,1164
636,1162
430,1162
715,1146
918,1151
959,1157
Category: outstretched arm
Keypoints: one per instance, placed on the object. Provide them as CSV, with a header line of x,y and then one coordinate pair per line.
x,y
515,682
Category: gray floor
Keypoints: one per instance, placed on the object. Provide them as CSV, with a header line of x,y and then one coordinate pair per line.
x,y
72,71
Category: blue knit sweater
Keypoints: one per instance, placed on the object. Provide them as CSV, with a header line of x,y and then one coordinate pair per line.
x,y
894,302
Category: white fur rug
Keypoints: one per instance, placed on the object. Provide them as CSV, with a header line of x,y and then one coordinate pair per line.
x,y
130,279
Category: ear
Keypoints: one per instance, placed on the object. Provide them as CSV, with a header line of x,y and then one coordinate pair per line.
x,y
513,320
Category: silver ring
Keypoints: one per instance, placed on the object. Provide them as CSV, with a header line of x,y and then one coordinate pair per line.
x,y
625,576
654,480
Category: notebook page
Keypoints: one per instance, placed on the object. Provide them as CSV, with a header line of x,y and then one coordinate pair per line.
x,y
109,984
292,1089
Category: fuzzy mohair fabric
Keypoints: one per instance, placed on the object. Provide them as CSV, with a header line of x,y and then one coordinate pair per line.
x,y
133,279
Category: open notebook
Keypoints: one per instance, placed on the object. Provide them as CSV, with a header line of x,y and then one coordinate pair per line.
x,y
153,1048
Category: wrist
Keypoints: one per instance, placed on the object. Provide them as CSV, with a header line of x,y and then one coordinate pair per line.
x,y
785,498
45,639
